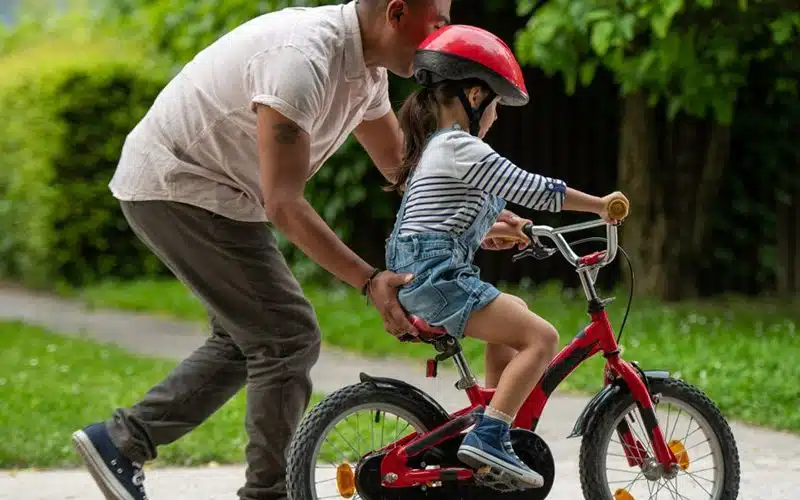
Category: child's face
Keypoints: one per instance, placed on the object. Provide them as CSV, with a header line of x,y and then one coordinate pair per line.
x,y
488,118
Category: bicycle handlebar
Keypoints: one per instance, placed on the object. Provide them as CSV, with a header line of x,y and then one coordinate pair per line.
x,y
617,209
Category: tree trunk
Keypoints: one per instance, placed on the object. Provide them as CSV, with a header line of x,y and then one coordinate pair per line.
x,y
672,189
788,247
643,232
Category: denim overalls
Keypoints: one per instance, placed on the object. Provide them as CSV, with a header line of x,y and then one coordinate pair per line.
x,y
446,287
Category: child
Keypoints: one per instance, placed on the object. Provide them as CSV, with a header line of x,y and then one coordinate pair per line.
x,y
455,185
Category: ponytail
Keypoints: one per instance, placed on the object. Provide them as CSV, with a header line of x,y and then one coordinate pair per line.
x,y
419,118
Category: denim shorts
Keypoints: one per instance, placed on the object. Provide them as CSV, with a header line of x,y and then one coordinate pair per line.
x,y
446,288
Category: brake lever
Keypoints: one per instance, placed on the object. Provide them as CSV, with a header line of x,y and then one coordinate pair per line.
x,y
536,250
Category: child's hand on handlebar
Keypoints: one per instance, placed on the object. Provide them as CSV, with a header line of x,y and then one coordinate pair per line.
x,y
504,235
613,217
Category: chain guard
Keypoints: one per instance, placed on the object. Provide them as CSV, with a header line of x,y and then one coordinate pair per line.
x,y
531,448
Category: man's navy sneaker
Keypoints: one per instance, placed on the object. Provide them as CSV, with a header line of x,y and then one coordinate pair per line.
x,y
119,477
489,444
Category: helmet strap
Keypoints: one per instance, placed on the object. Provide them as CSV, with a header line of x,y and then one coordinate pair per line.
x,y
474,114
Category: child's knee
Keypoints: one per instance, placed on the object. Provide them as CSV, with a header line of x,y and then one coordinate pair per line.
x,y
519,301
548,337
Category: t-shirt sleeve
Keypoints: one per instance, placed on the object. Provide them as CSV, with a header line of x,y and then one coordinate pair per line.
x,y
288,81
380,104
477,164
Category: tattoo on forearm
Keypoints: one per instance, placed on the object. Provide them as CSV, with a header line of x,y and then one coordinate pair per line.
x,y
286,133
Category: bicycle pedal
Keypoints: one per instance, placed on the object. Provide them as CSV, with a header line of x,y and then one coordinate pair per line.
x,y
497,480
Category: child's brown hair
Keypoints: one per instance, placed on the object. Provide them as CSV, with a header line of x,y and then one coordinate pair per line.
x,y
419,118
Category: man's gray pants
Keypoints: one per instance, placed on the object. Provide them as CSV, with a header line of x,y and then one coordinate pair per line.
x,y
264,333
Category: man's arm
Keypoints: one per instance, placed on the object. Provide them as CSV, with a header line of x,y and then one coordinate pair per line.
x,y
284,152
383,141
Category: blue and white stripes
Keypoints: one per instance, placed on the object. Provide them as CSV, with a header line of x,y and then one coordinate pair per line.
x,y
497,175
454,178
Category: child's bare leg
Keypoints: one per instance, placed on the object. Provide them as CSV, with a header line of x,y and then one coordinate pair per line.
x,y
505,322
498,356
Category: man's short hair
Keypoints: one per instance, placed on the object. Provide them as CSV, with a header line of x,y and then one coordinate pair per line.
x,y
381,4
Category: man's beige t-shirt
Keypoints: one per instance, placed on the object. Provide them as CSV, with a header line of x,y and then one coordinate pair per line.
x,y
197,144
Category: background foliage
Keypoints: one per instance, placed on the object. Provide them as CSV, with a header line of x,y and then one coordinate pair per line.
x,y
709,96
66,105
713,76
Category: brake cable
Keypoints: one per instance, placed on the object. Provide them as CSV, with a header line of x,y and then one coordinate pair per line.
x,y
630,268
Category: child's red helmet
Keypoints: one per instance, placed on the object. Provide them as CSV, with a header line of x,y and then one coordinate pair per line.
x,y
460,51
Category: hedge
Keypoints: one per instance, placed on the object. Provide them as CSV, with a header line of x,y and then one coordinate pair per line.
x,y
65,110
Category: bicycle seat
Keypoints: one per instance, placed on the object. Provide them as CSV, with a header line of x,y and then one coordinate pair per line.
x,y
426,332
423,327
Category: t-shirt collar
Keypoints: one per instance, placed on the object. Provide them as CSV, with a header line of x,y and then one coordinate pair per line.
x,y
355,67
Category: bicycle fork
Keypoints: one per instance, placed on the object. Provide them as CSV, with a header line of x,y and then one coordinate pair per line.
x,y
635,452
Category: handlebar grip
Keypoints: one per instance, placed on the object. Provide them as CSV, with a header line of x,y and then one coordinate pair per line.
x,y
618,208
527,229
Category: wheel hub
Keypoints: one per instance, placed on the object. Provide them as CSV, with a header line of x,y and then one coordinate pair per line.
x,y
652,470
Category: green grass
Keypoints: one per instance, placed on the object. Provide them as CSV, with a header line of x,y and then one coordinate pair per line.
x,y
743,352
52,385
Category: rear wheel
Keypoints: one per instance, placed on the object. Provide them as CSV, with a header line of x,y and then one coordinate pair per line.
x,y
693,428
343,428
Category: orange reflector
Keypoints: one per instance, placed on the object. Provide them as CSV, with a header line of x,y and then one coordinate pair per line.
x,y
680,453
346,480
622,494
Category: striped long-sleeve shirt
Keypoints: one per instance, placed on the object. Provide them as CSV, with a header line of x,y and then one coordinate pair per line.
x,y
454,178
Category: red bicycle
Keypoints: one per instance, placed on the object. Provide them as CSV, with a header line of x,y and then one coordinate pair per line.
x,y
656,457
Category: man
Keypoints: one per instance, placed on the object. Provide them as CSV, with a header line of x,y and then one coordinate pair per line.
x,y
228,145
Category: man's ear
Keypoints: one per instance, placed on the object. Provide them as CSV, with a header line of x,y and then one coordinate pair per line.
x,y
395,10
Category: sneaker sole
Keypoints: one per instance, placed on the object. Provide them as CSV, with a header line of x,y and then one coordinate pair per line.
x,y
476,459
102,475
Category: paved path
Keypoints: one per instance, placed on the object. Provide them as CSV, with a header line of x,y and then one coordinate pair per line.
x,y
770,460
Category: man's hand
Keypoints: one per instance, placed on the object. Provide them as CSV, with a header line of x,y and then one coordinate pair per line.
x,y
383,292
505,220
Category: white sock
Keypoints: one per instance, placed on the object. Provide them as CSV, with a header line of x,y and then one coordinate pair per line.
x,y
498,415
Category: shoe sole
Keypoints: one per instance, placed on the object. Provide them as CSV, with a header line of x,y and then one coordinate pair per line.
x,y
476,459
102,475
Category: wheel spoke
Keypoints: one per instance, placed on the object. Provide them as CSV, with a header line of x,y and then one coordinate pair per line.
x,y
372,427
628,471
398,435
646,440
698,444
346,441
333,444
700,485
675,490
675,425
383,424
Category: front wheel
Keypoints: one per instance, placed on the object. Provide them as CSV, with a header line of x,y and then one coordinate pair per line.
x,y
344,427
693,428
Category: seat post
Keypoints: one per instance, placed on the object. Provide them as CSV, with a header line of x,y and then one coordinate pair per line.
x,y
467,379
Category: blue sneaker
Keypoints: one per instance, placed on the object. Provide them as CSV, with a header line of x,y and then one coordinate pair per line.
x,y
489,444
117,476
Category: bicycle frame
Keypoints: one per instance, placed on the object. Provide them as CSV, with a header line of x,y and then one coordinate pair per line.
x,y
597,337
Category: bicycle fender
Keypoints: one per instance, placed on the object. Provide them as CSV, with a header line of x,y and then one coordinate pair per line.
x,y
604,397
402,386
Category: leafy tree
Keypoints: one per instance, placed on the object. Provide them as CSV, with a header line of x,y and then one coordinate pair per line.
x,y
182,28
680,65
